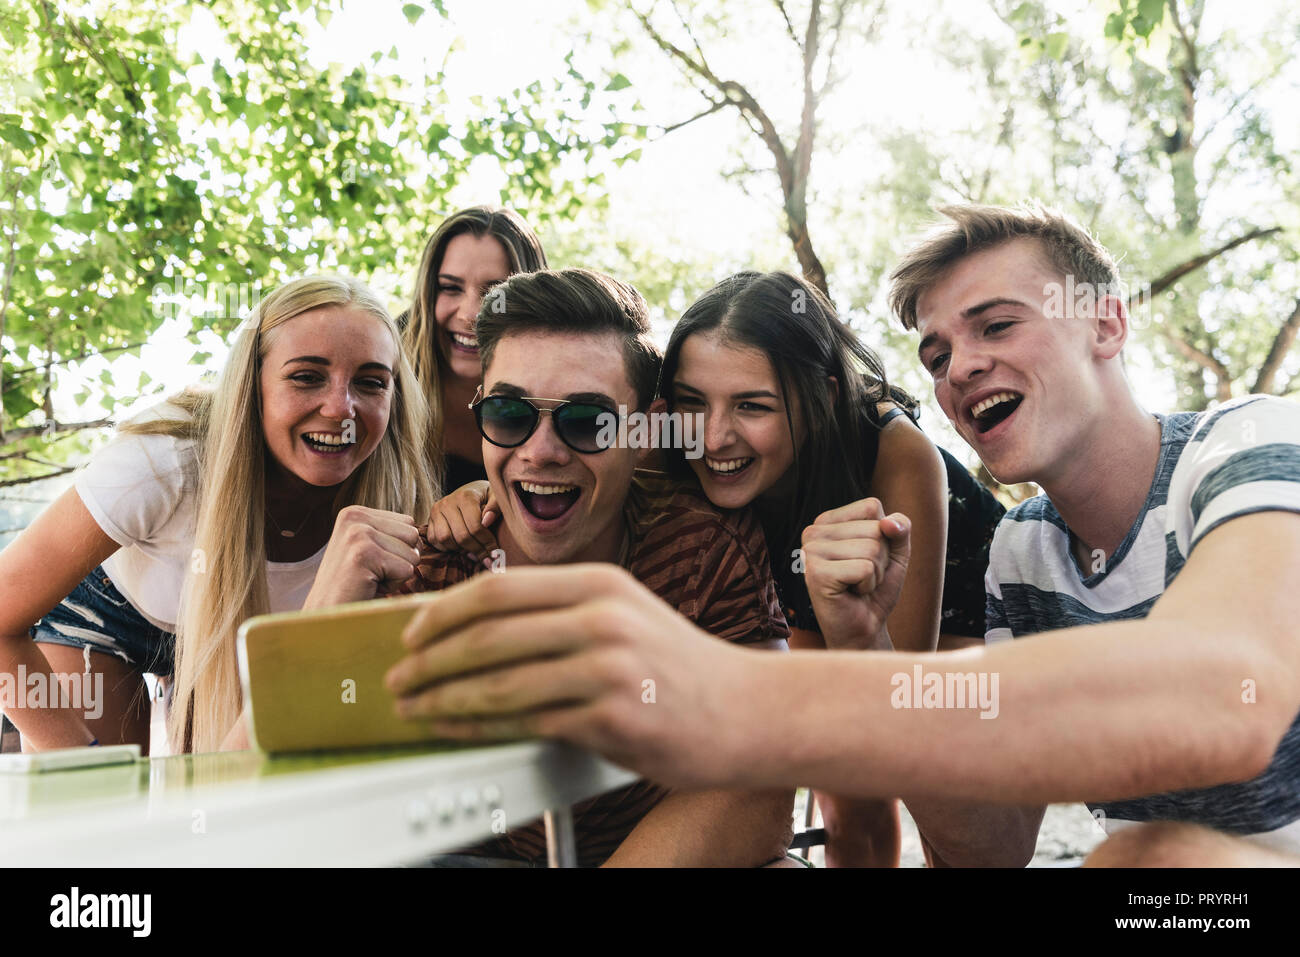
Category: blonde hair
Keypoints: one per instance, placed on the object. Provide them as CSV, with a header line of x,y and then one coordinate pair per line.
x,y
230,584
523,251
1066,246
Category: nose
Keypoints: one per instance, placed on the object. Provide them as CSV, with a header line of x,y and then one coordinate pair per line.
x,y
718,430
470,303
967,363
544,446
339,402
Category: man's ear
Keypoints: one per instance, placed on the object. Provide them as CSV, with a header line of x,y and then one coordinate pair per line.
x,y
1110,325
835,389
658,405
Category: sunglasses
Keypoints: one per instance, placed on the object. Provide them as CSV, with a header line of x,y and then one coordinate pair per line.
x,y
507,422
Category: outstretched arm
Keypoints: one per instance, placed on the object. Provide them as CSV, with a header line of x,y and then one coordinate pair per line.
x,y
1106,712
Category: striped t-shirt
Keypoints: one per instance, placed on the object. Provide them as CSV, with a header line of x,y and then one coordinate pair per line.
x,y
708,564
1214,466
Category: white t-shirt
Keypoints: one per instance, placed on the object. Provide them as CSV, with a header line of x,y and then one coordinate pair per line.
x,y
142,490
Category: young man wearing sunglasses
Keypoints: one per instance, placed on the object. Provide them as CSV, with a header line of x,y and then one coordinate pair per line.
x,y
563,354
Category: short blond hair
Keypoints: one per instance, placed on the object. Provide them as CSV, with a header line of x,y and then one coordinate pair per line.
x,y
971,228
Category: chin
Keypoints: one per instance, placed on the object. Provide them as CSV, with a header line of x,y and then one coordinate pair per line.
x,y
1010,472
548,553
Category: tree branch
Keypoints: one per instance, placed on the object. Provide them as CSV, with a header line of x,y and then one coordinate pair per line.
x,y
10,483
690,33
1223,378
721,104
1277,353
797,201
1167,279
1189,46
87,354
735,94
48,428
789,27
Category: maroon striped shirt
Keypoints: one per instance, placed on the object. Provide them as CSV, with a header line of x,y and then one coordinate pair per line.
x,y
711,566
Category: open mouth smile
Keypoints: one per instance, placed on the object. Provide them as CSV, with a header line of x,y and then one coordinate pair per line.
x,y
326,443
463,342
726,470
546,504
989,413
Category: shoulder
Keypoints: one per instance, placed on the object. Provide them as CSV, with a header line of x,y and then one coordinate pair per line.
x,y
1239,458
160,412
143,459
905,452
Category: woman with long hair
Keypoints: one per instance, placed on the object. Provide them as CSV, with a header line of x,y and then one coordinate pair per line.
x,y
468,254
799,420
211,508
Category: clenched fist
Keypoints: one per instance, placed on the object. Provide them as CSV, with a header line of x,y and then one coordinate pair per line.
x,y
855,561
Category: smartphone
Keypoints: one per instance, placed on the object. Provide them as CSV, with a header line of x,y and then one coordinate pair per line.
x,y
67,759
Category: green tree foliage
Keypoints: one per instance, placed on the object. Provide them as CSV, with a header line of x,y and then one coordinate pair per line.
x,y
139,178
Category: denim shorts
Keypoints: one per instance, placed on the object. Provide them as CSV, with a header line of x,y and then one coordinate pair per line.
x,y
97,616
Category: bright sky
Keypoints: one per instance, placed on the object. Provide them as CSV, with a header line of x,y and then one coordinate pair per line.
x,y
673,197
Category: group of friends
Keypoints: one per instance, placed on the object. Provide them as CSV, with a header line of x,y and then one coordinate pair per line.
x,y
820,598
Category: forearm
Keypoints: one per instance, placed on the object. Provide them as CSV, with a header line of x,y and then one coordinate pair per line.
x,y
710,829
1111,712
42,727
968,834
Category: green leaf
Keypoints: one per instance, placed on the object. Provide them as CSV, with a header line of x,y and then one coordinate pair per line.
x,y
18,136
18,403
618,82
1152,11
412,12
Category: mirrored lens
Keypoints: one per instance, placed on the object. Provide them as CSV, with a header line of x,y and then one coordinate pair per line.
x,y
506,421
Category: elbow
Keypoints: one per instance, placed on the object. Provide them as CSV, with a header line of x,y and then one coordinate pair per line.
x,y
1259,744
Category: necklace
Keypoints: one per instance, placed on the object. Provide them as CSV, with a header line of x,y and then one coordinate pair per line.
x,y
284,532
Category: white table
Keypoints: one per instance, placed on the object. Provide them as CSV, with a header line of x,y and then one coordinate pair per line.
x,y
248,810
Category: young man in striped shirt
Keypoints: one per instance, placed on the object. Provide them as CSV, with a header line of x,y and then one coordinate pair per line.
x,y
1158,572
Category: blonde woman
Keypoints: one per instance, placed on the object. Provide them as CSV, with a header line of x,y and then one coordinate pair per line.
x,y
211,508
469,253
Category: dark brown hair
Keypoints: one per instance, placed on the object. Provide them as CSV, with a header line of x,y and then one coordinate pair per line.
x,y
792,323
573,300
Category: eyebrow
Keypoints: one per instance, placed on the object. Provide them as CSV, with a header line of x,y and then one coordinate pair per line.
x,y
754,394
973,312
322,361
516,392
451,277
